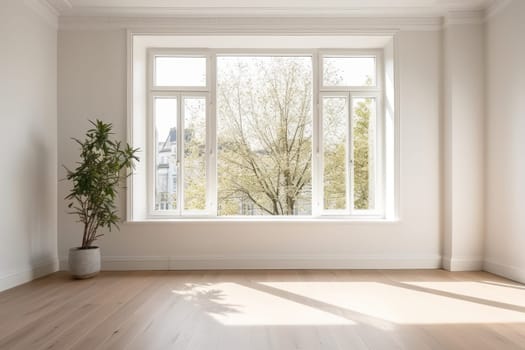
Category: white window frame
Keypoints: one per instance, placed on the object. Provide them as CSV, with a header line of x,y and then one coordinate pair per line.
x,y
180,93
350,92
190,53
319,91
377,54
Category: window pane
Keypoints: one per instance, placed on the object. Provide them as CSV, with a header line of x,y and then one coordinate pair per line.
x,y
194,153
349,71
335,121
180,71
264,135
364,134
166,153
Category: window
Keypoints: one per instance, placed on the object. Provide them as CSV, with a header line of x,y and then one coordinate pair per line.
x,y
265,133
184,71
348,71
350,139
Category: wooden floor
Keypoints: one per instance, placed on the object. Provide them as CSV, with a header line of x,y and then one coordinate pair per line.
x,y
232,310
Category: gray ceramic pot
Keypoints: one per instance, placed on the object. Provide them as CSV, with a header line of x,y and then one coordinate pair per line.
x,y
84,263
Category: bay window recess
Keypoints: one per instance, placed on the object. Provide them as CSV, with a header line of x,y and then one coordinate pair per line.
x,y
265,133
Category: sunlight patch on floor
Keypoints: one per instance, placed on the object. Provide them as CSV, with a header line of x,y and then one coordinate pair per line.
x,y
235,304
498,293
403,305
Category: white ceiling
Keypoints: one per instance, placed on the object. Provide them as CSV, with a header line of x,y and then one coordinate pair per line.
x,y
268,7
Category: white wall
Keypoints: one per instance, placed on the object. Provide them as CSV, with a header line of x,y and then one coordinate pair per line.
x,y
28,99
463,137
505,148
92,83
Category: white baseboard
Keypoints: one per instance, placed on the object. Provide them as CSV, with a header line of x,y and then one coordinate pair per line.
x,y
511,272
213,262
303,262
463,263
128,263
20,277
118,263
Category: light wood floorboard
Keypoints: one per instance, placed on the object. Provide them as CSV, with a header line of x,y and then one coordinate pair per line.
x,y
266,309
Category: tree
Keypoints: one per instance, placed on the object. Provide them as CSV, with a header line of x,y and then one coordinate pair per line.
x,y
194,153
335,155
264,110
363,130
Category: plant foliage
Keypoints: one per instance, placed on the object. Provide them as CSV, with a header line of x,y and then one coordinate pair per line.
x,y
104,165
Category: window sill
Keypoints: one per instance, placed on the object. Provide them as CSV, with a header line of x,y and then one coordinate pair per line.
x,y
347,220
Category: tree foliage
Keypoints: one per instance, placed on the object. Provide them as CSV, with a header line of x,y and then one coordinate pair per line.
x,y
194,154
363,141
103,165
335,156
264,114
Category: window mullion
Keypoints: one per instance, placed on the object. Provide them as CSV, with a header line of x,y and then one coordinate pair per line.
x,y
180,155
350,155
152,154
317,161
211,125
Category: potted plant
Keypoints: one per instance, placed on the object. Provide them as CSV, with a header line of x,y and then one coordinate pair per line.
x,y
104,165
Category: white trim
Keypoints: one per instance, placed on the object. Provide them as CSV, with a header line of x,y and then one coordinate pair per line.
x,y
211,140
180,211
495,8
299,261
463,17
350,220
60,6
355,9
511,272
377,54
463,263
179,93
397,133
38,270
153,53
44,10
124,263
129,119
254,26
117,263
304,262
376,92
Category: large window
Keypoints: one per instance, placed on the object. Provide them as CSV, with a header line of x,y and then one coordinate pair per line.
x,y
265,133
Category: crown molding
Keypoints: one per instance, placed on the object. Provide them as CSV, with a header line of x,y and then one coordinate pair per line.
x,y
43,9
60,6
290,19
464,17
254,25
496,7
262,11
